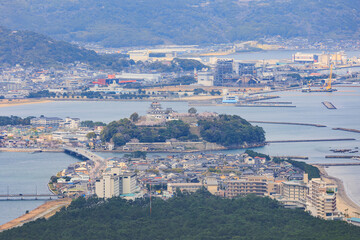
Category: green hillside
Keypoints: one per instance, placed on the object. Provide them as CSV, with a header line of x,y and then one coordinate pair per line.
x,y
32,49
146,22
25,47
197,216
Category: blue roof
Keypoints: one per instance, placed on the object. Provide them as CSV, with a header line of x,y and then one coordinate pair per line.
x,y
127,195
355,219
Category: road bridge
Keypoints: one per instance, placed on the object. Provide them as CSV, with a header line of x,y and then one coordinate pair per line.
x,y
83,154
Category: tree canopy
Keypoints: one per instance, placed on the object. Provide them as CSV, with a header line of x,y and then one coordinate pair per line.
x,y
230,131
122,131
91,124
185,216
14,120
313,172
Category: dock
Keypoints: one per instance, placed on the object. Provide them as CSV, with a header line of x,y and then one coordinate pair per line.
x,y
329,105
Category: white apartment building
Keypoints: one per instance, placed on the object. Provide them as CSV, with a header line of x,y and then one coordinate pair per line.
x,y
107,186
296,191
258,185
71,123
46,121
115,185
321,200
304,57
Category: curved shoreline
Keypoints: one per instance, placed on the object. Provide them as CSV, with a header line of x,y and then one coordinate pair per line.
x,y
18,102
344,203
45,210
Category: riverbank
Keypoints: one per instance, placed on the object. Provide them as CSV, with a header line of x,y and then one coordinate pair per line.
x,y
46,210
30,150
192,148
17,102
343,202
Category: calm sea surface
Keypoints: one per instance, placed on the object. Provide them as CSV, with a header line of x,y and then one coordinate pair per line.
x,y
27,173
24,172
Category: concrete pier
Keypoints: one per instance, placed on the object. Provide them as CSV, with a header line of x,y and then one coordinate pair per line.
x,y
329,105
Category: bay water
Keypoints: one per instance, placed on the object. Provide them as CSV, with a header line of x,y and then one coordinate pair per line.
x,y
23,172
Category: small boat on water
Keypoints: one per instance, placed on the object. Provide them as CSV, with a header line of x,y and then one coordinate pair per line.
x,y
37,151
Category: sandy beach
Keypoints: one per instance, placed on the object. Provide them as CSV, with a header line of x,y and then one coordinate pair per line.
x,y
343,202
17,102
46,210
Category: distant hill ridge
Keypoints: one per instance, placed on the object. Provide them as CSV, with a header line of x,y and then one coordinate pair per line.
x,y
118,23
30,48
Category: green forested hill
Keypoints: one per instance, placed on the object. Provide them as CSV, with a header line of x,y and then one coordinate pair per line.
x,y
197,216
145,22
230,131
30,48
25,47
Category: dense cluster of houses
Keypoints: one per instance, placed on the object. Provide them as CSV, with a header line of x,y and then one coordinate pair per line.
x,y
74,180
226,175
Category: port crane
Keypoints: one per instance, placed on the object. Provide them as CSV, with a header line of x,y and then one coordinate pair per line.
x,y
328,87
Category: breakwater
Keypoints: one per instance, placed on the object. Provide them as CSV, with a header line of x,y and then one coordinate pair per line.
x,y
277,102
262,105
337,164
347,130
240,104
293,157
289,123
312,140
258,98
342,156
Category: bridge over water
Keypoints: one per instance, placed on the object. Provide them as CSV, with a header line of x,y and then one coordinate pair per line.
x,y
24,197
83,154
